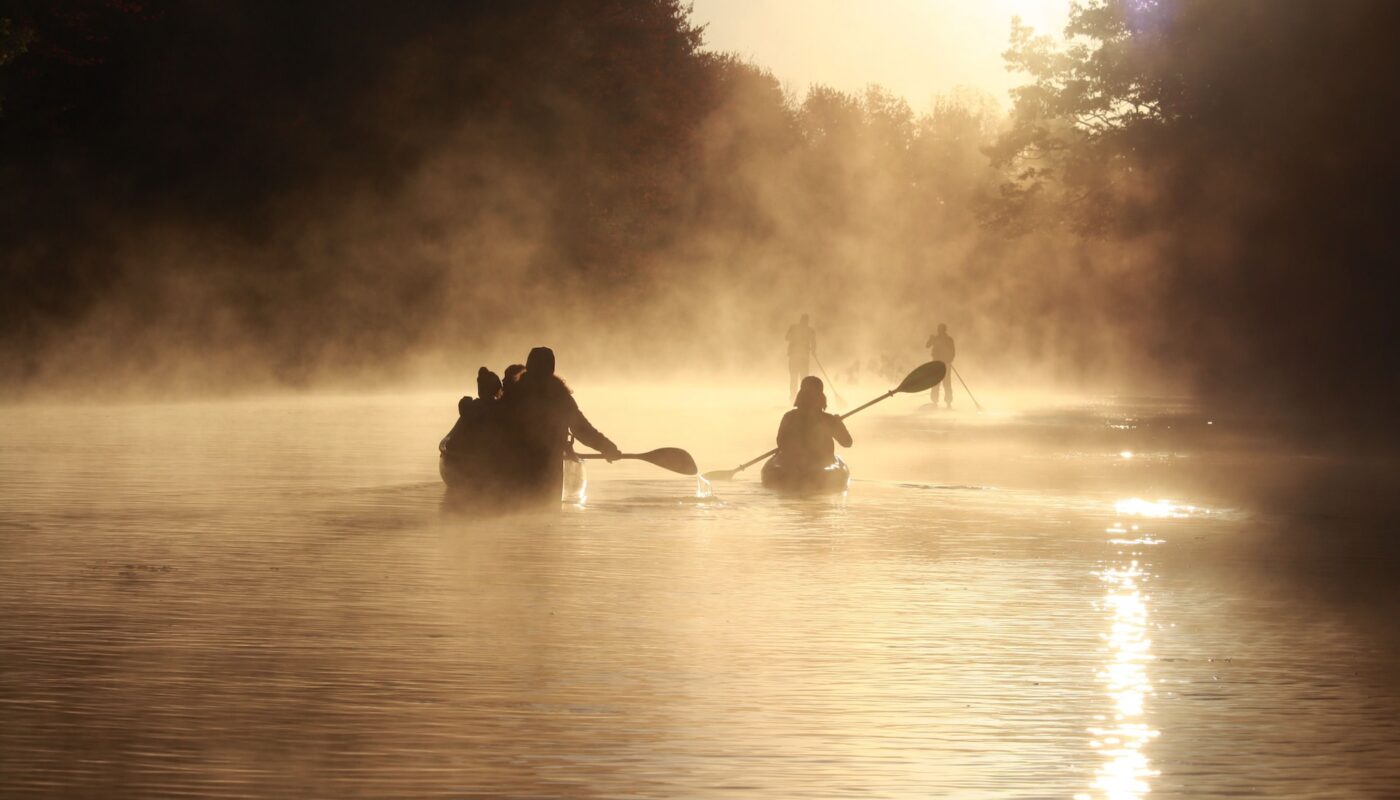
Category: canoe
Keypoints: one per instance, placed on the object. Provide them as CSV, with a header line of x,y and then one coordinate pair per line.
x,y
477,479
833,478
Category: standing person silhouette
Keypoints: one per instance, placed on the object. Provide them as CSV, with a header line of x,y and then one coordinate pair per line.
x,y
802,343
941,348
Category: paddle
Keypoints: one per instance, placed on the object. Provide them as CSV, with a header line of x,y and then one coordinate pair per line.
x,y
965,389
672,458
840,401
924,377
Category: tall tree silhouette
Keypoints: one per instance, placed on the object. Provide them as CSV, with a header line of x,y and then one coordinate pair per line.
x,y
1252,143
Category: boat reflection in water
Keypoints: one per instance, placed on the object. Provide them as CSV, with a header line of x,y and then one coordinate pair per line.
x,y
575,483
1121,739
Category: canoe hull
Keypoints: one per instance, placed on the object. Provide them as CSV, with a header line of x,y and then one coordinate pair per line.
x,y
834,478
478,481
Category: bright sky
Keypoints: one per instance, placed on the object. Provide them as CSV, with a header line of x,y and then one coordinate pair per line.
x,y
915,48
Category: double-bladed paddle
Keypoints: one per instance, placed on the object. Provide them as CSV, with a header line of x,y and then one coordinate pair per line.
x,y
672,458
924,377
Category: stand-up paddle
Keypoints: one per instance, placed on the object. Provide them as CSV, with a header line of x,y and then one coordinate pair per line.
x,y
672,458
965,389
924,377
840,401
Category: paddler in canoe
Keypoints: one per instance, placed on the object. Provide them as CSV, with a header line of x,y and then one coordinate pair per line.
x,y
473,416
807,437
510,376
468,451
509,445
540,415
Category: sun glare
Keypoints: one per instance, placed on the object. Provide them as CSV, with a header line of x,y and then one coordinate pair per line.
x,y
1046,16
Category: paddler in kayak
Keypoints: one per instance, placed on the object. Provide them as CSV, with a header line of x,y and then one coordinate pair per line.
x,y
541,414
807,435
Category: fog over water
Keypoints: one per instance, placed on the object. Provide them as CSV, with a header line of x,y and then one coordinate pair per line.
x,y
253,255
1064,600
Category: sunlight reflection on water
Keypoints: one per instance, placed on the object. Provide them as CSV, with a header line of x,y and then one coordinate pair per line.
x,y
1126,771
1137,507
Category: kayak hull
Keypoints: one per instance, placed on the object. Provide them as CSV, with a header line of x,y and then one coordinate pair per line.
x,y
834,478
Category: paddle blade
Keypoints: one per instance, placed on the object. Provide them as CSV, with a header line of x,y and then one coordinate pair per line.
x,y
672,458
720,475
924,377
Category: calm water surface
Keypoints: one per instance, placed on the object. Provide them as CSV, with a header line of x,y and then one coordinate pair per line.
x,y
269,599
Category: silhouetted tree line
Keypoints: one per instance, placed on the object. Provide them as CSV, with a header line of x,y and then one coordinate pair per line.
x,y
247,125
318,186
1250,147
314,186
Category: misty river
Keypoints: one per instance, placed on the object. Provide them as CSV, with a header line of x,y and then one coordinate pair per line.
x,y
1081,597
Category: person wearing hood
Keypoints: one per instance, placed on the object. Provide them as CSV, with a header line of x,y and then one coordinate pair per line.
x,y
808,434
542,414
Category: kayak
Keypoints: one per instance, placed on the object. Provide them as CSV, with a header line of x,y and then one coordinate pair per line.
x,y
477,479
830,479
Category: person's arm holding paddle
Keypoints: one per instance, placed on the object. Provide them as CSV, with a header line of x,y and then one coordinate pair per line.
x,y
839,432
590,436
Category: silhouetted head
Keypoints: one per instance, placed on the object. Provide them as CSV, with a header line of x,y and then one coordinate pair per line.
x,y
804,319
464,404
810,395
512,374
488,385
942,329
540,363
